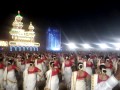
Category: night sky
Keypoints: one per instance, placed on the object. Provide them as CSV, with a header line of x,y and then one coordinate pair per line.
x,y
79,22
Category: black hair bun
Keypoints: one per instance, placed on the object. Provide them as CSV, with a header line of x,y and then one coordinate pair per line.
x,y
10,62
52,64
102,66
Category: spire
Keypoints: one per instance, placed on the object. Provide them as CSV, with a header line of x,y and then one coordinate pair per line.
x,y
31,27
18,12
18,17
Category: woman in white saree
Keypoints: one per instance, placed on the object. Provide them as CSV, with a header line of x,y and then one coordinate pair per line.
x,y
52,82
88,64
96,79
79,78
10,81
109,67
30,77
40,64
27,61
67,71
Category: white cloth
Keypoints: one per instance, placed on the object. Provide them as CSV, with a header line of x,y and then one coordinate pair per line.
x,y
109,72
29,80
44,67
40,66
77,84
94,81
1,79
27,65
73,80
107,85
80,85
22,67
10,76
52,81
89,70
67,76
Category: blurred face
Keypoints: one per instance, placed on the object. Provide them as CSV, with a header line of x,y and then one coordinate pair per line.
x,y
31,64
66,57
107,60
80,66
104,71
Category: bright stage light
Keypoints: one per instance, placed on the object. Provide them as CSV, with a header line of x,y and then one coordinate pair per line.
x,y
86,46
71,45
117,48
103,46
117,45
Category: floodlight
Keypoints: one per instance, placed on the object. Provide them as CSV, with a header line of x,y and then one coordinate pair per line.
x,y
117,48
103,46
72,45
86,46
117,45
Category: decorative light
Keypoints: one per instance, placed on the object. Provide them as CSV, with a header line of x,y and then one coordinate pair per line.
x,y
18,43
4,43
20,36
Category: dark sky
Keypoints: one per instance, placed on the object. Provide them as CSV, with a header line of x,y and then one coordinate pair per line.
x,y
79,21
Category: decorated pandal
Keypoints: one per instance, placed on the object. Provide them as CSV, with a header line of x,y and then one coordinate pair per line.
x,y
22,40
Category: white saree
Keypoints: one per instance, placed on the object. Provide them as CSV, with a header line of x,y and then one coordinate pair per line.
x,y
52,82
44,67
109,72
107,85
40,66
67,74
29,82
10,81
87,69
27,65
22,67
77,84
94,81
1,79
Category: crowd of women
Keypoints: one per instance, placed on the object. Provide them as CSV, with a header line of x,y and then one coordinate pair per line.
x,y
78,71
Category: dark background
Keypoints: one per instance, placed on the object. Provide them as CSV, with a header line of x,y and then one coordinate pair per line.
x,y
80,22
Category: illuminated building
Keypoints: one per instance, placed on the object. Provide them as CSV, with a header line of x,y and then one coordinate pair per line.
x,y
4,43
53,39
23,40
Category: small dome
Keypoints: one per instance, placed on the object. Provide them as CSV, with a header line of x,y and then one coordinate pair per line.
x,y
31,27
18,17
15,24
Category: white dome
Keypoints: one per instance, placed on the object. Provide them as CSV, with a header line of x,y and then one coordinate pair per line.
x,y
31,27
